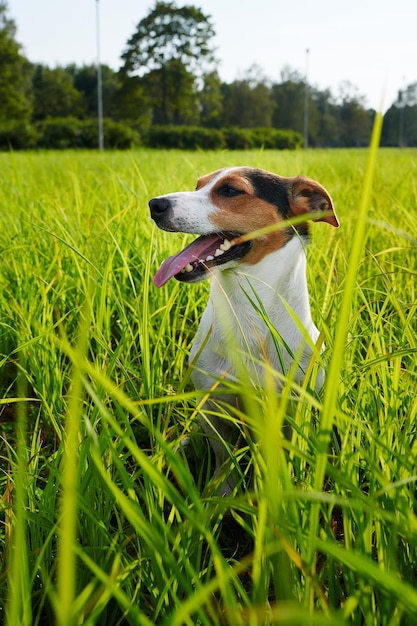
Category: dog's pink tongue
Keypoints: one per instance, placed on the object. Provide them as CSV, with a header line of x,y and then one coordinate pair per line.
x,y
198,249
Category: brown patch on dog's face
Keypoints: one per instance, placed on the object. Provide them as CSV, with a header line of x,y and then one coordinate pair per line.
x,y
242,209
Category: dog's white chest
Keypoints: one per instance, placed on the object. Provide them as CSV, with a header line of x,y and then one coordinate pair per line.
x,y
250,321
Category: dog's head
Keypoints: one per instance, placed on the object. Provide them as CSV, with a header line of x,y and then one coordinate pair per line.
x,y
227,205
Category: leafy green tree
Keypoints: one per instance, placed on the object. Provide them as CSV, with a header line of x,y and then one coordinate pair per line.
x,y
289,97
85,81
15,73
211,101
354,120
133,103
400,121
327,127
169,55
247,102
54,94
173,94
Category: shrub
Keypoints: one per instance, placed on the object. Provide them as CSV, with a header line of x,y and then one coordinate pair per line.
x,y
116,134
70,132
288,140
60,133
17,136
234,138
275,139
119,135
238,138
185,137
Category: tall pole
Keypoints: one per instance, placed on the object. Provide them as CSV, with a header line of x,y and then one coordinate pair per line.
x,y
306,98
401,115
99,83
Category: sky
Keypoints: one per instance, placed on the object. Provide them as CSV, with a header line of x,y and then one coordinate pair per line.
x,y
370,43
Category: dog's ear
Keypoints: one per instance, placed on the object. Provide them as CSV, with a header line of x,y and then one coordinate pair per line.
x,y
308,196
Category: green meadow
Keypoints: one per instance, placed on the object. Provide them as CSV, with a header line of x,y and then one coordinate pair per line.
x,y
104,517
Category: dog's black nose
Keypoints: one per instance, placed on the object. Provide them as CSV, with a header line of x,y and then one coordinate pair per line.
x,y
158,206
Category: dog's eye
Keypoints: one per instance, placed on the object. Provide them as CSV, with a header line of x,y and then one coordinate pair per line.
x,y
229,192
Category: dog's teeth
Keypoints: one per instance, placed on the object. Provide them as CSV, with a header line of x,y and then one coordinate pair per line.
x,y
210,258
226,245
218,252
188,268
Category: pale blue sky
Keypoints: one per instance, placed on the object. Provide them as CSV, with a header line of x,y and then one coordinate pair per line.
x,y
371,43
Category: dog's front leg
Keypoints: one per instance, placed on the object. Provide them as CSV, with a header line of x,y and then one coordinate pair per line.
x,y
221,433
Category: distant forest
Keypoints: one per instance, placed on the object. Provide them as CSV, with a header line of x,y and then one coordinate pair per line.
x,y
167,92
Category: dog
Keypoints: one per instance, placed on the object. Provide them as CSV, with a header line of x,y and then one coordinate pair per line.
x,y
253,227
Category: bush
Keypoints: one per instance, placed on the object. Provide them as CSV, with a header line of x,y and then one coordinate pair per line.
x,y
195,137
68,132
238,138
59,133
274,139
116,134
288,140
119,135
17,136
185,138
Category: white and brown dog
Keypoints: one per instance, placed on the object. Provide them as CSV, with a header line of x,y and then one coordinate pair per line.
x,y
259,283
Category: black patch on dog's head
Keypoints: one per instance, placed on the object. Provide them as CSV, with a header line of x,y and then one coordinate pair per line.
x,y
270,188
273,190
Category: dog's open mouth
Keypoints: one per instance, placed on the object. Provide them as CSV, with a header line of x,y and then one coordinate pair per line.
x,y
194,261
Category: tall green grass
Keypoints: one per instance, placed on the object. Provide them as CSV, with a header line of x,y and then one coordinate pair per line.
x,y
105,518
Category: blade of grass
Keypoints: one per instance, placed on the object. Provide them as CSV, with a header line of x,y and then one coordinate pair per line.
x,y
19,606
66,569
333,373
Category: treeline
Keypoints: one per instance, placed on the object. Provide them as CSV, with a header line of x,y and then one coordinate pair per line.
x,y
168,93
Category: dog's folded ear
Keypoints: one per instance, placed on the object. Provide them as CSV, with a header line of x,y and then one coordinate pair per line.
x,y
308,196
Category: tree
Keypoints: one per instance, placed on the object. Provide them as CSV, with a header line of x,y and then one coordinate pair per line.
x,y
170,54
85,81
211,101
54,94
133,103
247,102
327,130
400,121
353,119
288,96
173,94
15,73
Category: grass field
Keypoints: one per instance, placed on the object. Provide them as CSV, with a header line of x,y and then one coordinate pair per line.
x,y
103,519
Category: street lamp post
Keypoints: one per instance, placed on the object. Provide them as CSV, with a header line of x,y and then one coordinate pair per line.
x,y
401,115
99,83
306,94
